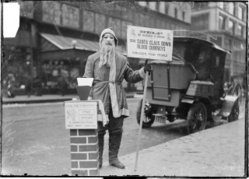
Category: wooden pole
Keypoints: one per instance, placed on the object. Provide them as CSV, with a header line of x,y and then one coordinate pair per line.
x,y
141,120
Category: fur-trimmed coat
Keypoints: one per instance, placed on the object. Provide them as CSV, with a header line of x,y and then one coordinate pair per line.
x,y
107,84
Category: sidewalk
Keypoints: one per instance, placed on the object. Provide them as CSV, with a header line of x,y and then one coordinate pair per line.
x,y
214,152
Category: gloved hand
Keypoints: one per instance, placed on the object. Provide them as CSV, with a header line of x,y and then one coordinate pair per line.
x,y
147,67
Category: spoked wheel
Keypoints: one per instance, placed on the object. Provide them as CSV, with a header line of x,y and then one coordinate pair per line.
x,y
148,119
196,118
234,113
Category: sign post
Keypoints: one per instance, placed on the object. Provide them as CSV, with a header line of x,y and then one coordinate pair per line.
x,y
148,43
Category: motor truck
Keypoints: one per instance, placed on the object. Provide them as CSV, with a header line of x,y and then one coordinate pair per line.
x,y
188,87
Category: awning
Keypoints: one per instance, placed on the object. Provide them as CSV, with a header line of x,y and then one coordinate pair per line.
x,y
66,43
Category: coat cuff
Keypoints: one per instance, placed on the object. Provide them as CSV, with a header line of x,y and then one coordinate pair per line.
x,y
142,73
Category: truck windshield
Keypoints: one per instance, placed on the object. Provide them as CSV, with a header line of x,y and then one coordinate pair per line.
x,y
179,49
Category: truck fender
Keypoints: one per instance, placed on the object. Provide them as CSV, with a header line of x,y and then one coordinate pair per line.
x,y
187,100
227,105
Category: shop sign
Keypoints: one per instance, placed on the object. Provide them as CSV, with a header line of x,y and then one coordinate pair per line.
x,y
111,22
81,114
115,24
26,9
149,43
117,27
124,29
88,21
70,16
51,12
99,22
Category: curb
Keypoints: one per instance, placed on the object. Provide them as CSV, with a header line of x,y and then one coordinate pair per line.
x,y
42,100
36,101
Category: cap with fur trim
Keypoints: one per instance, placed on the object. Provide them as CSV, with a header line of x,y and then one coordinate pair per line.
x,y
108,31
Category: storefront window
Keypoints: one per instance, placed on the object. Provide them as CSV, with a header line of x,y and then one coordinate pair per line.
x,y
17,66
58,74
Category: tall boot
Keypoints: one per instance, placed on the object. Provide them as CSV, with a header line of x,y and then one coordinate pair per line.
x,y
101,149
114,144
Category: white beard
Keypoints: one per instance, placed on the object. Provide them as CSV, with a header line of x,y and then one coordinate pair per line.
x,y
106,55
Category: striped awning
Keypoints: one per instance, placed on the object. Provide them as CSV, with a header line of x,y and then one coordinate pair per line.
x,y
66,43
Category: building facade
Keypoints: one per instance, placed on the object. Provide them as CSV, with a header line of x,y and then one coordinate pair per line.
x,y
226,23
55,38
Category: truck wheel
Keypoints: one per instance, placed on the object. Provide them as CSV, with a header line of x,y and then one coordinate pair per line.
x,y
234,115
196,118
148,118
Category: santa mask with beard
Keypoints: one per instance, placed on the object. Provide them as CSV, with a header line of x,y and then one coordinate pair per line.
x,y
107,42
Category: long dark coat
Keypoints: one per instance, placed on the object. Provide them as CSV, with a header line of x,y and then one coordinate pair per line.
x,y
107,85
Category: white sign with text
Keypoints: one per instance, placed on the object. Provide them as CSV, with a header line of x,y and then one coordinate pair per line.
x,y
81,115
149,43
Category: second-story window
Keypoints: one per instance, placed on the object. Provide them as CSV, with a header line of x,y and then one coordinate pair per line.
x,y
230,7
222,22
166,8
240,30
241,12
147,4
231,26
183,15
157,6
221,5
176,12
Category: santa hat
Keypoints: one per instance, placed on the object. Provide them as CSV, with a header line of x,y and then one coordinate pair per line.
x,y
108,31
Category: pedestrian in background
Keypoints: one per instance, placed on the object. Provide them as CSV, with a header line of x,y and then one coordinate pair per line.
x,y
109,68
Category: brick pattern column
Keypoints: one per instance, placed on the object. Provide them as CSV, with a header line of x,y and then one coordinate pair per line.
x,y
84,152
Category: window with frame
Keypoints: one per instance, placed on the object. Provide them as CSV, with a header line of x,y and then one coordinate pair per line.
x,y
240,30
230,7
221,5
200,5
157,6
183,15
231,26
222,22
166,8
176,12
240,12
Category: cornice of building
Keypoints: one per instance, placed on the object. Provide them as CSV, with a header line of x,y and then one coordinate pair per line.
x,y
227,34
233,17
225,13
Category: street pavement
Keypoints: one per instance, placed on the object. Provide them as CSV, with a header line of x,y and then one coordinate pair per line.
x,y
214,152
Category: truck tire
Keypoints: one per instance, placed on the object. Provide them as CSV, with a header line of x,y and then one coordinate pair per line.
x,y
234,115
196,118
148,119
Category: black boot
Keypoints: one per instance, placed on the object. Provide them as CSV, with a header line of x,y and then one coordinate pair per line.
x,y
101,149
114,144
